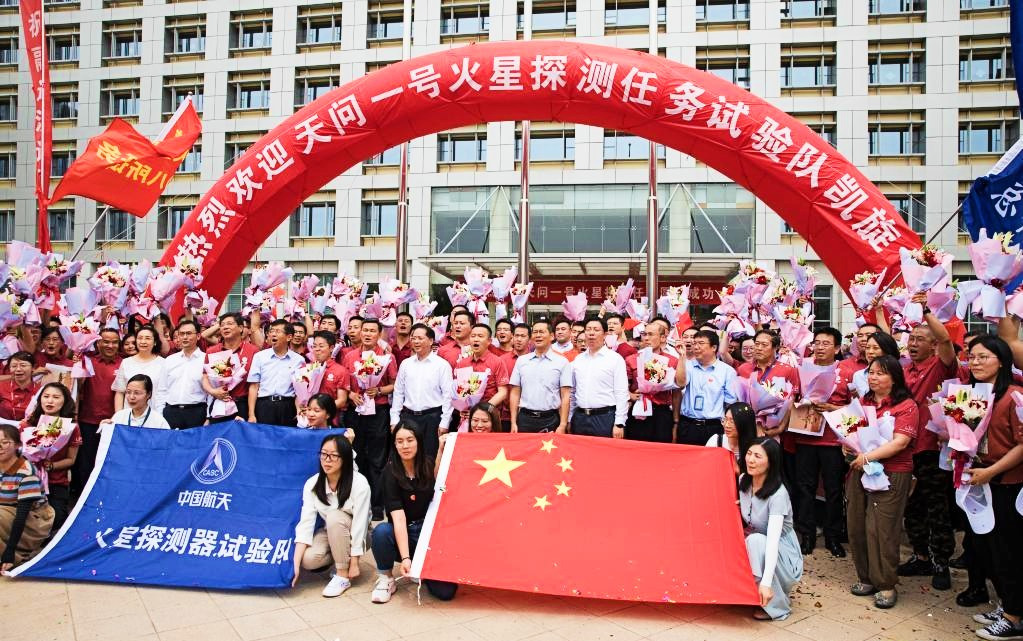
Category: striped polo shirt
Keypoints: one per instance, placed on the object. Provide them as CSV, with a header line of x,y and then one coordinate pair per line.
x,y
19,483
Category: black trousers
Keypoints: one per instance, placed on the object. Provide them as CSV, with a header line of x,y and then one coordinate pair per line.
x,y
531,424
697,432
86,459
60,500
827,463
593,424
279,412
372,447
1003,554
181,417
655,428
243,410
928,518
427,425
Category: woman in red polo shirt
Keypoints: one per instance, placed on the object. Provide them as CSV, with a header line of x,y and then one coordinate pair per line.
x,y
16,393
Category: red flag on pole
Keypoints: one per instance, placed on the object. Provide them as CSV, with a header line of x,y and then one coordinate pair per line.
x,y
590,517
123,169
34,32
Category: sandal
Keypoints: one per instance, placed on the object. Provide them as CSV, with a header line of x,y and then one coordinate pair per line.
x,y
886,599
761,615
863,589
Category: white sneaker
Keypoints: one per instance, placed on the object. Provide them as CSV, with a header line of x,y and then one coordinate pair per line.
x,y
383,589
337,586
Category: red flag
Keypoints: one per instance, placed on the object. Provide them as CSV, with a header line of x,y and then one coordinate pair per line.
x,y
591,517
34,30
123,169
181,131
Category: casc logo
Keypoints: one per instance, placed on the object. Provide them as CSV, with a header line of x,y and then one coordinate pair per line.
x,y
217,465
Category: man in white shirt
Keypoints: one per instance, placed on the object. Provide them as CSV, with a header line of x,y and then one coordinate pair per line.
x,y
271,392
181,385
600,399
422,390
541,386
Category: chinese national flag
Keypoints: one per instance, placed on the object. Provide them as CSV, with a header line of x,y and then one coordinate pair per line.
x,y
591,517
122,168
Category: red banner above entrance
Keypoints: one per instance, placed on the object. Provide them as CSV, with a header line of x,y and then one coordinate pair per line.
x,y
553,292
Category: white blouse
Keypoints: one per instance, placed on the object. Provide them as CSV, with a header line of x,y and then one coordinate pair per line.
x,y
153,369
150,418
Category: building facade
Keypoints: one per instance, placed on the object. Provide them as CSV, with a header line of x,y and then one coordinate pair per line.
x,y
919,94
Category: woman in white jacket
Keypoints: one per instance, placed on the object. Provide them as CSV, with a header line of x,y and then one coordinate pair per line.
x,y
340,496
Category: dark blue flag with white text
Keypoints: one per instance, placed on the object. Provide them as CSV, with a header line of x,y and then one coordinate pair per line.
x,y
994,200
212,507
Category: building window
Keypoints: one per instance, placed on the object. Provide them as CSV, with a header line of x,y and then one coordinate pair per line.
x,y
177,88
821,123
9,104
170,220
62,225
390,156
463,147
632,13
248,90
722,10
983,132
979,5
807,9
623,146
808,67
63,155
730,210
554,145
64,102
912,208
895,7
379,218
313,220
896,63
122,40
63,47
119,98
896,134
549,16
238,142
6,225
822,304
8,162
185,36
9,47
116,226
192,163
464,19
730,64
313,82
385,20
236,297
319,24
980,63
462,208
251,31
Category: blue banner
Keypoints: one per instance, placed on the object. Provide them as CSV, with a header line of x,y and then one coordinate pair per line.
x,y
212,507
1016,40
994,200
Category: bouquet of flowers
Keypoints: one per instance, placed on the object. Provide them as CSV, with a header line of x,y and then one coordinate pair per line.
x,y
110,281
923,269
806,276
859,429
574,307
501,287
202,306
15,310
636,309
943,301
478,308
319,298
654,374
164,285
439,324
618,297
817,382
770,399
81,301
394,293
458,293
80,332
224,370
478,282
796,335
863,289
305,288
674,304
997,263
894,300
306,381
43,442
519,294
422,307
369,370
966,413
468,390
138,277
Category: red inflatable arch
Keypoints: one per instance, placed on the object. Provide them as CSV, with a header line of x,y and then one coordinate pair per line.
x,y
796,173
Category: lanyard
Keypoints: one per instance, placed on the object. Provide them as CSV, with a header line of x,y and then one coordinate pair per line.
x,y
144,418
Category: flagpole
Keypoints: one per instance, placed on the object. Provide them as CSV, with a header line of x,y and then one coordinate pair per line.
x,y
92,231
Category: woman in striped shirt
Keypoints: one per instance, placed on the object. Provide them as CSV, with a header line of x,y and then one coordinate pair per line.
x,y
25,516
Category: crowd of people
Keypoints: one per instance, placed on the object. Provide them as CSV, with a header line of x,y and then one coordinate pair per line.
x,y
559,376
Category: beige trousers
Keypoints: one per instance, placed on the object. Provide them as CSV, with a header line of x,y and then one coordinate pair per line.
x,y
875,527
332,543
37,528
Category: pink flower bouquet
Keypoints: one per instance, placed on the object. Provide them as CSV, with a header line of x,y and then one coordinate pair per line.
x,y
42,442
769,399
394,293
80,333
478,282
439,325
501,286
816,382
997,263
859,429
203,306
224,370
306,381
138,277
863,289
269,276
422,307
305,288
966,409
806,276
519,294
674,304
110,281
636,309
618,297
467,390
458,293
574,307
369,370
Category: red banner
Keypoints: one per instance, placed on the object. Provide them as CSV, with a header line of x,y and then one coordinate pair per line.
x,y
590,517
123,169
826,199
553,291
33,31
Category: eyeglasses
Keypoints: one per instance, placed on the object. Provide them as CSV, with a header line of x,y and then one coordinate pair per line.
x,y
327,456
979,358
822,344
6,443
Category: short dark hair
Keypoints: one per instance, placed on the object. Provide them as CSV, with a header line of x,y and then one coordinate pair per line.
x,y
891,366
543,321
406,314
356,317
372,321
147,382
22,356
483,326
561,319
331,317
432,335
49,331
189,321
608,317
712,337
237,316
284,325
829,331
775,339
504,321
110,329
330,337
523,326
327,404
595,319
463,312
298,325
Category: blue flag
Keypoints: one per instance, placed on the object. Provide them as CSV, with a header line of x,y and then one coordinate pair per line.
x,y
994,200
212,507
1016,39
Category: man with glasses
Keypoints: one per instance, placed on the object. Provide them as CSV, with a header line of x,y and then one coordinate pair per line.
x,y
709,387
181,383
659,427
932,359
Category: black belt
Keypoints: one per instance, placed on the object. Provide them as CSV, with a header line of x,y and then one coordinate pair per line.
x,y
429,410
698,421
277,398
185,406
596,411
539,413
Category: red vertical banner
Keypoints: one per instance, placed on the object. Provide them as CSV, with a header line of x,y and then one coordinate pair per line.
x,y
33,32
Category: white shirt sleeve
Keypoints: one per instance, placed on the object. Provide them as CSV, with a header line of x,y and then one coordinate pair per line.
x,y
621,391
360,513
398,395
448,381
774,527
307,521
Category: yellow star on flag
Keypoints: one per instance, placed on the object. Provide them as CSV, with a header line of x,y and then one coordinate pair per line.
x,y
548,446
541,502
498,468
565,464
178,133
562,489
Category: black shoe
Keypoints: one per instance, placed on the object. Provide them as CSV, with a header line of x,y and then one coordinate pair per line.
x,y
835,548
378,514
957,562
972,597
941,580
807,542
916,567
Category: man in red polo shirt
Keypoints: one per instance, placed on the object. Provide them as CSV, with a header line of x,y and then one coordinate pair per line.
x,y
928,521
461,324
765,367
335,379
231,325
659,427
16,392
401,346
501,344
849,366
616,328
480,359
95,404
519,347
52,350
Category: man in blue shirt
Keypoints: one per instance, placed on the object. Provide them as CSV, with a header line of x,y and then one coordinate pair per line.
x,y
271,393
709,388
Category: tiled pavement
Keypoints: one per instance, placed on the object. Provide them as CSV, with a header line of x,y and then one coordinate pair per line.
x,y
36,610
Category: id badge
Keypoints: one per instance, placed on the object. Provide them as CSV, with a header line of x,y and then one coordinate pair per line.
x,y
698,403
